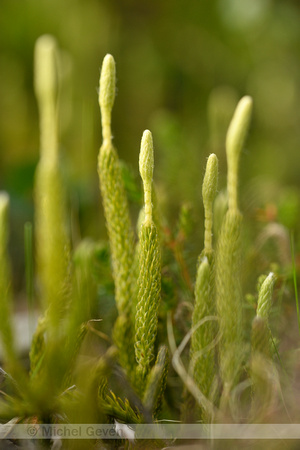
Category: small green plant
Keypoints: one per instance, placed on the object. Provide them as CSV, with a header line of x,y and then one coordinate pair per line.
x,y
117,219
61,385
149,281
228,260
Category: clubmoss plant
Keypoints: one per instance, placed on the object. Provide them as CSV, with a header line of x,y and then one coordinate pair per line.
x,y
118,223
51,230
228,258
113,194
202,348
149,282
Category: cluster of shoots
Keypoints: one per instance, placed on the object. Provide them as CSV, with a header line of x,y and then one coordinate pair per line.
x,y
66,286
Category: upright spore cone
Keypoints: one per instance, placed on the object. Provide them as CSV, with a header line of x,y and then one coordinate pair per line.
x,y
45,75
146,165
209,190
107,93
46,89
235,139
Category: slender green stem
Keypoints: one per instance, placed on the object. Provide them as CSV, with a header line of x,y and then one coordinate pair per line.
x,y
29,273
295,277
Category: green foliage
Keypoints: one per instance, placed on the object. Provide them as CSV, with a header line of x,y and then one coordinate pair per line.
x,y
156,382
37,350
202,348
229,297
260,336
262,367
119,409
148,299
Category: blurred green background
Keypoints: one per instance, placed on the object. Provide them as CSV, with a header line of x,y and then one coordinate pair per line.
x,y
182,65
